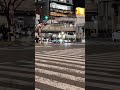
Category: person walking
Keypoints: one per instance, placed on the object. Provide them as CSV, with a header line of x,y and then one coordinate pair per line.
x,y
37,34
39,28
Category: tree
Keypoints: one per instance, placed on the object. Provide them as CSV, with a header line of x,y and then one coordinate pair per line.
x,y
8,7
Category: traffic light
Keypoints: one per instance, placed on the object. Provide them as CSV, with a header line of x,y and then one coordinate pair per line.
x,y
46,17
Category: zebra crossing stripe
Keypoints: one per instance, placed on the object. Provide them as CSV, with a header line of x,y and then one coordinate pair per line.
x,y
5,63
61,75
101,73
64,53
103,54
104,86
103,79
101,68
6,88
7,76
43,46
48,58
29,66
61,63
105,57
37,89
16,74
66,50
62,56
16,68
57,84
104,62
60,68
15,81
24,61
68,54
66,57
106,66
58,63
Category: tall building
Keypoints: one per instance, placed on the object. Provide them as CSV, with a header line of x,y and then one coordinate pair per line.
x,y
91,13
56,11
116,14
108,16
79,24
59,15
105,16
54,8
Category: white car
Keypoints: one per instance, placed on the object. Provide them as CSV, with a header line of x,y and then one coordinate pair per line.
x,y
116,35
67,41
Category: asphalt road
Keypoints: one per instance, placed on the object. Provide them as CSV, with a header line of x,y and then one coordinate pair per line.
x,y
43,48
60,68
15,72
55,64
17,67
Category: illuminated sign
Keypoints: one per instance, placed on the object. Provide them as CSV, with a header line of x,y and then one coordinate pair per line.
x,y
57,14
60,0
80,11
63,1
58,6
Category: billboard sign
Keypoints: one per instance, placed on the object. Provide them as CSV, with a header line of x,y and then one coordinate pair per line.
x,y
80,11
59,6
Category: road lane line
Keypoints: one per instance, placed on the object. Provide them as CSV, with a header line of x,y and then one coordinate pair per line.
x,y
15,81
16,74
104,86
57,84
60,68
61,75
61,63
48,58
16,68
59,57
8,88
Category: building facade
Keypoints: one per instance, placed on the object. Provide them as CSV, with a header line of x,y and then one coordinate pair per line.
x,y
61,18
91,18
54,8
80,23
108,16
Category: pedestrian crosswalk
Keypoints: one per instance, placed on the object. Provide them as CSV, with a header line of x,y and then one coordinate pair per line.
x,y
17,75
102,71
60,70
102,43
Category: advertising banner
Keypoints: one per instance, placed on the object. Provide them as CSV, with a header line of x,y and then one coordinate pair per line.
x,y
80,11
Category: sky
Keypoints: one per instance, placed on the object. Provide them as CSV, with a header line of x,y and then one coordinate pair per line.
x,y
79,3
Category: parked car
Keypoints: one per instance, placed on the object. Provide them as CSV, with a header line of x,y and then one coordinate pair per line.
x,y
116,35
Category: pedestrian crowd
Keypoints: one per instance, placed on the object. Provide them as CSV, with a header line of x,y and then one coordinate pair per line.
x,y
6,34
